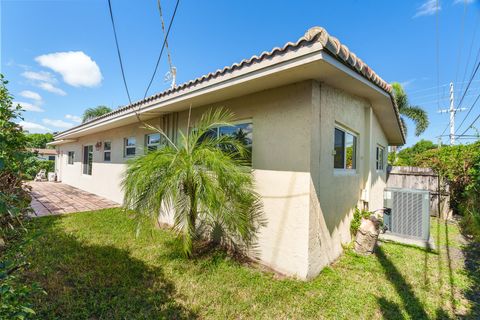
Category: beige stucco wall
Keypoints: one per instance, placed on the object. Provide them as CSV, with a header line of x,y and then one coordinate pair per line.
x,y
307,204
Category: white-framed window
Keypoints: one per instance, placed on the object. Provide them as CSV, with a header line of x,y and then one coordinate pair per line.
x,y
71,157
345,153
87,160
241,130
107,151
380,158
129,147
153,141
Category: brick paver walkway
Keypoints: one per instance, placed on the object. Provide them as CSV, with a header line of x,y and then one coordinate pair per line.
x,y
57,198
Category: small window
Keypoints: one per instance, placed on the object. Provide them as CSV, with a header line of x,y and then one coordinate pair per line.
x,y
71,157
345,150
130,147
87,160
380,158
107,151
51,158
153,141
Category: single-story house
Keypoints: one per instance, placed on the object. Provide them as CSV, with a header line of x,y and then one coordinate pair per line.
x,y
44,154
319,121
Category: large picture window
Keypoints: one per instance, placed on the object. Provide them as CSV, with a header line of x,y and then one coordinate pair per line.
x,y
345,150
87,160
130,147
380,158
241,131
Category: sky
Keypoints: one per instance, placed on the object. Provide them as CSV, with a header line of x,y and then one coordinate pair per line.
x,y
60,56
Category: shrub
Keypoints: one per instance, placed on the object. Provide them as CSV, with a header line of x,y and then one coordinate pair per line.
x,y
357,219
33,165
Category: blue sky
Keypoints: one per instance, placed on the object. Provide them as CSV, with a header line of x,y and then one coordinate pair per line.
x,y
60,56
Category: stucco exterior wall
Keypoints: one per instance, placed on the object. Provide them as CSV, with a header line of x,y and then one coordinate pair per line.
x,y
308,205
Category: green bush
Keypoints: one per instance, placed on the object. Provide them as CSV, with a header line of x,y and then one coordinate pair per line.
x,y
33,165
459,165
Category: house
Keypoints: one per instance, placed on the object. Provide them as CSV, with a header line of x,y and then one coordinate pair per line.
x,y
319,121
44,154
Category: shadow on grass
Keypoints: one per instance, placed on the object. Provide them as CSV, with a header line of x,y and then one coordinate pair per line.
x,y
85,281
471,252
412,304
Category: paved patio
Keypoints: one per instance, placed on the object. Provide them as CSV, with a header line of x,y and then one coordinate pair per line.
x,y
50,198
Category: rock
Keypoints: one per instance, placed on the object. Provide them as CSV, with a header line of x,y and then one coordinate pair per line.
x,y
367,236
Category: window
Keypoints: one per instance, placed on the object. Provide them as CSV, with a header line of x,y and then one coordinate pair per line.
x,y
241,131
345,150
129,146
71,157
107,151
153,141
380,157
51,158
87,160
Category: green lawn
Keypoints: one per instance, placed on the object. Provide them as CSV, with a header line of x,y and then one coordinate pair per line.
x,y
93,267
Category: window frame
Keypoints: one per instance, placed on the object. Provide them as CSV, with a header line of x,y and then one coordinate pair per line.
x,y
72,158
157,145
382,162
345,170
85,161
125,147
109,150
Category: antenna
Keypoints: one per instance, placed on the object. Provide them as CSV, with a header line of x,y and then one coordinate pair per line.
x,y
172,74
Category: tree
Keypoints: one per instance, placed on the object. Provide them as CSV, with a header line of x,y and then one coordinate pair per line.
x,y
209,189
39,140
407,156
14,199
414,113
92,113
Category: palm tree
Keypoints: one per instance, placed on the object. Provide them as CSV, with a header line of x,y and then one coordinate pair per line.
x,y
92,113
414,113
209,189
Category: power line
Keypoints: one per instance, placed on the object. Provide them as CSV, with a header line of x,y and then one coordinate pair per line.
x,y
438,53
460,47
161,51
470,110
172,74
470,50
118,51
471,124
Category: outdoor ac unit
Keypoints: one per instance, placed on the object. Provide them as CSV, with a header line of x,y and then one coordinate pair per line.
x,y
407,213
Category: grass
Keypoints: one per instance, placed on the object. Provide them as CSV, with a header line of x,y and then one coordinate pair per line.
x,y
93,267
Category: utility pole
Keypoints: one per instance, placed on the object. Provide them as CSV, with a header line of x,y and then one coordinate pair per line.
x,y
452,110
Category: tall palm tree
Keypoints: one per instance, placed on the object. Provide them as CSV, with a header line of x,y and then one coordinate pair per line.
x,y
414,113
95,112
209,189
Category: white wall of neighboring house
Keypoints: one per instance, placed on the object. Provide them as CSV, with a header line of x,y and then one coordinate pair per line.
x,y
308,204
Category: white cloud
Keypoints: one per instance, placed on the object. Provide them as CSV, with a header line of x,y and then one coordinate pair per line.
x,y
73,118
428,8
463,1
57,123
28,106
33,127
51,88
407,83
31,95
76,68
39,76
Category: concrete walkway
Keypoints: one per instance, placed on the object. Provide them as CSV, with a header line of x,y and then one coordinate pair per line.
x,y
56,198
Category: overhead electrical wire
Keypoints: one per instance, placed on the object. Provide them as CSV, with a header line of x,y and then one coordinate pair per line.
x,y
118,51
465,118
470,52
161,51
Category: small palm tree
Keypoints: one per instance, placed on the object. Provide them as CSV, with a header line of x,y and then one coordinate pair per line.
x,y
92,113
209,189
415,113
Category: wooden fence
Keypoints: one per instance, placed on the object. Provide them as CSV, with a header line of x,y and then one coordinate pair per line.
x,y
424,179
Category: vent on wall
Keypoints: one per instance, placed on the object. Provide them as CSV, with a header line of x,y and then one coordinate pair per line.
x,y
407,212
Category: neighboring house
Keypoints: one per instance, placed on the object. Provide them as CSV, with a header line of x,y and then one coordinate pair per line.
x,y
319,121
44,154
